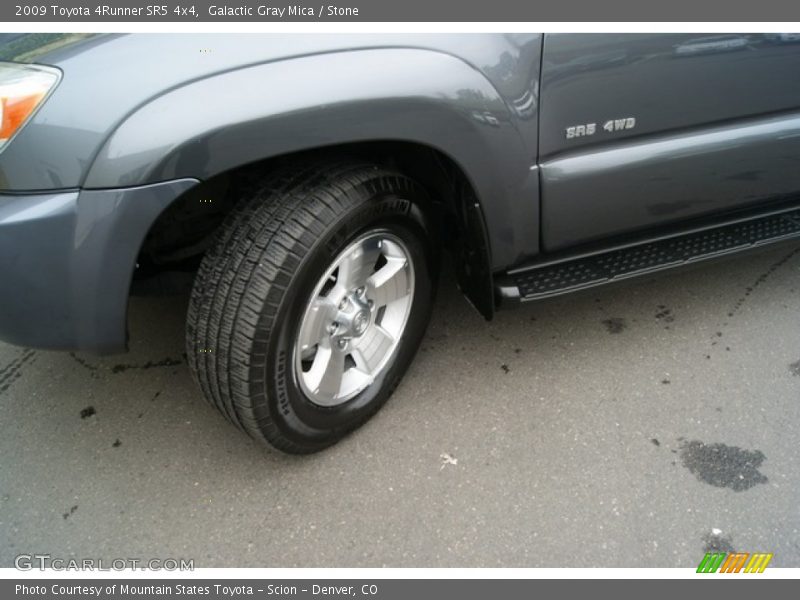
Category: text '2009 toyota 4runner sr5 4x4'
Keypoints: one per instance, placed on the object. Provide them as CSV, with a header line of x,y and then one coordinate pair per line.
x,y
309,183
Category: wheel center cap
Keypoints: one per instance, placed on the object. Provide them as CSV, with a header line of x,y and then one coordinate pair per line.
x,y
353,318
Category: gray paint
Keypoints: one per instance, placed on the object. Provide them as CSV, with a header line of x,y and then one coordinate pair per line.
x,y
648,183
34,262
472,96
716,124
431,98
67,260
111,76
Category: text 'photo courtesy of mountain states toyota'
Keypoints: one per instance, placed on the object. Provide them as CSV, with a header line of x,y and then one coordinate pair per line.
x,y
306,187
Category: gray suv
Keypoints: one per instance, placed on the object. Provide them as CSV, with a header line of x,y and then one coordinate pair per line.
x,y
304,188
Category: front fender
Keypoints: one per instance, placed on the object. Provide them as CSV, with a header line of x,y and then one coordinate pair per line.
x,y
221,122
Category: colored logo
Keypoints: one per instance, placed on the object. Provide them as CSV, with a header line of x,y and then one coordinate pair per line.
x,y
735,562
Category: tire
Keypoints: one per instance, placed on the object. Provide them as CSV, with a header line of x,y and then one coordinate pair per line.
x,y
271,276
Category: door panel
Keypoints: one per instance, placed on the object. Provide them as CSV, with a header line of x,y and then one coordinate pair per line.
x,y
666,127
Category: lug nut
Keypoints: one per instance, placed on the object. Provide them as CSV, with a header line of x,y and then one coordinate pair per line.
x,y
333,327
370,303
342,344
343,304
360,291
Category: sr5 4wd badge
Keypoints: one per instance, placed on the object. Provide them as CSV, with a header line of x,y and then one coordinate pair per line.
x,y
611,126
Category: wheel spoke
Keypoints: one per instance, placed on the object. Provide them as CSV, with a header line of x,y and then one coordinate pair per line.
x,y
358,265
326,373
317,319
372,349
389,283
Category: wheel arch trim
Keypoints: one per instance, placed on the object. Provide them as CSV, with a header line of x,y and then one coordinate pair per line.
x,y
401,94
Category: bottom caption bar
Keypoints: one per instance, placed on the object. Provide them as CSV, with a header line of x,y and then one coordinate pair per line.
x,y
380,589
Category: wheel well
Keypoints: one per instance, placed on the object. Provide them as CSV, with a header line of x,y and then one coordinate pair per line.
x,y
180,236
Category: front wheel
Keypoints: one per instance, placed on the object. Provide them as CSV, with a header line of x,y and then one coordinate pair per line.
x,y
312,303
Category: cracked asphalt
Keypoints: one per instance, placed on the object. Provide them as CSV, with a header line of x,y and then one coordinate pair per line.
x,y
635,425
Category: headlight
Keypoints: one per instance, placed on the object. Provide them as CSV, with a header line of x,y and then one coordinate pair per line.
x,y
23,88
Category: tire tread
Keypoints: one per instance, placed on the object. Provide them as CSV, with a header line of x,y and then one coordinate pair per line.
x,y
244,276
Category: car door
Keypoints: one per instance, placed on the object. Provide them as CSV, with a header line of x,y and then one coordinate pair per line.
x,y
639,131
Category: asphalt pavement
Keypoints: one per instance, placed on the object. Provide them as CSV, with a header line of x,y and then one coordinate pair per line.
x,y
637,425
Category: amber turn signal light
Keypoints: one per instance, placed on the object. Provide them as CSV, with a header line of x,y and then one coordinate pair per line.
x,y
23,88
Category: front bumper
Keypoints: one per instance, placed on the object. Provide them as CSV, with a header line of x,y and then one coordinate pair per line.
x,y
66,263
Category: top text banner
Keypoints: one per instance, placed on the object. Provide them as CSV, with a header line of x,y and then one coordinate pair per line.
x,y
188,11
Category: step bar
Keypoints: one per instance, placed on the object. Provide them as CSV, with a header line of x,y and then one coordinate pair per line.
x,y
556,277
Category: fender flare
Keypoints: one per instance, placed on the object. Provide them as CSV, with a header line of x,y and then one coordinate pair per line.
x,y
211,125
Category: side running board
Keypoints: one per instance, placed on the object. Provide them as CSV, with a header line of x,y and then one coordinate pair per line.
x,y
552,278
